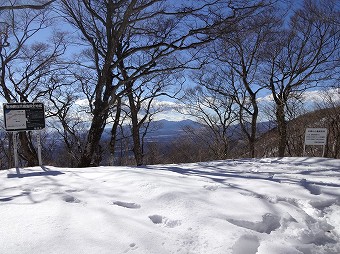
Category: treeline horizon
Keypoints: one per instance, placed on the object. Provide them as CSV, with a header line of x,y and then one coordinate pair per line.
x,y
189,147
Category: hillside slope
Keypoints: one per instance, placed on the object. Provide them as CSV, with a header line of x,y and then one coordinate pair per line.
x,y
324,118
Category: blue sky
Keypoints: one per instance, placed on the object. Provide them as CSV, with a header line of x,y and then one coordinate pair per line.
x,y
169,113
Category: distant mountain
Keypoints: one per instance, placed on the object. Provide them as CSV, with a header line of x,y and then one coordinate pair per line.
x,y
165,131
162,130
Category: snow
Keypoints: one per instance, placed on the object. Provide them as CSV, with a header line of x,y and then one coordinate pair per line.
x,y
271,205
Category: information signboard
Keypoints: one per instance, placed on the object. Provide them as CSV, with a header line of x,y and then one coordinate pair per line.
x,y
316,136
24,116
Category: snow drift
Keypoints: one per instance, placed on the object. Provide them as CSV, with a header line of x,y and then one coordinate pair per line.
x,y
288,206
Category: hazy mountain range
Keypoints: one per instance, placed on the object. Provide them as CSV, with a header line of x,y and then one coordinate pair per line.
x,y
165,131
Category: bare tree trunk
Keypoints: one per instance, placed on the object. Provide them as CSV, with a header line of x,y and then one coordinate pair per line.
x,y
336,146
96,130
137,148
254,116
98,156
26,6
251,135
114,130
252,147
225,150
282,129
27,150
135,128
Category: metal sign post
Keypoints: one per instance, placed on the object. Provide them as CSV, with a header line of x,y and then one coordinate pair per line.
x,y
15,149
39,148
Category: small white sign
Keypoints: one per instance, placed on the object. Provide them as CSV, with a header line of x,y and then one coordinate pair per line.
x,y
316,136
24,116
15,119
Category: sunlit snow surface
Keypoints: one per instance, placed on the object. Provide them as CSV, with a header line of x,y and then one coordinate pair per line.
x,y
264,206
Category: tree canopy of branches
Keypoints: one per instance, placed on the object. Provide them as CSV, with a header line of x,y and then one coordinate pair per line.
x,y
35,5
236,60
215,113
128,40
301,56
27,66
128,53
271,53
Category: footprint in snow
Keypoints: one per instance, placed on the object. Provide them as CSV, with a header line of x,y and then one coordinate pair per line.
x,y
132,246
312,188
127,205
164,221
73,190
211,187
269,223
323,204
5,199
246,244
70,199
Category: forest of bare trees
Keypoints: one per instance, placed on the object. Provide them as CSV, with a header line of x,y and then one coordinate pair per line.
x,y
102,67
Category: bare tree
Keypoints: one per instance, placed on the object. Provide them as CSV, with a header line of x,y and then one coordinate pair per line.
x,y
237,61
25,66
129,39
34,5
300,57
67,118
116,116
330,108
215,112
187,149
142,108
5,150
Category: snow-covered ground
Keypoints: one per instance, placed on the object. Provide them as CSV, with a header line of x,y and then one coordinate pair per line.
x,y
264,206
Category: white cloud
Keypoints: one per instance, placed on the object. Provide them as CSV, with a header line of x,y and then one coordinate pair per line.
x,y
168,110
267,98
319,96
315,96
172,115
82,102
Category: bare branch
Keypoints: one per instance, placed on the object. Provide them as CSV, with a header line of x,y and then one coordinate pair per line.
x,y
26,6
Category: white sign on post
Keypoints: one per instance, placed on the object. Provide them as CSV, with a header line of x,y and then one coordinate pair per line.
x,y
16,120
315,137
24,117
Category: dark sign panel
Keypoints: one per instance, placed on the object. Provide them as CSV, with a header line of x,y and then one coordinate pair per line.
x,y
24,116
